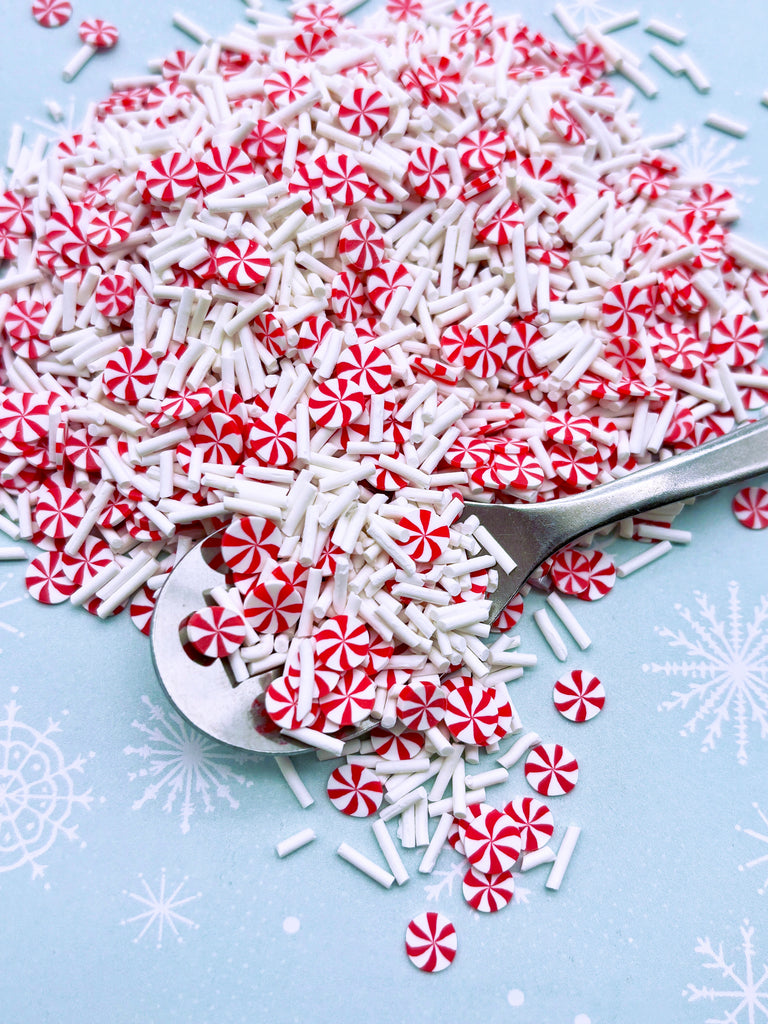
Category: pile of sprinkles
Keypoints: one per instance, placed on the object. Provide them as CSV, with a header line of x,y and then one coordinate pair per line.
x,y
309,289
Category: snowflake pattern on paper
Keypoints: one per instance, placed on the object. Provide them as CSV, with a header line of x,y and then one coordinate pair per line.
x,y
589,12
760,837
38,794
185,765
8,627
745,993
726,661
161,910
707,158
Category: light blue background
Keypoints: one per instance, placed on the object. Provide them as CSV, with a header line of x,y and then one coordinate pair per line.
x,y
657,865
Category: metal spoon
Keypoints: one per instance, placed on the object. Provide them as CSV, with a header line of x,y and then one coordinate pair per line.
x,y
204,693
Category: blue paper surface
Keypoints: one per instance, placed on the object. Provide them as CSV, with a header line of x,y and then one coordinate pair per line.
x,y
138,875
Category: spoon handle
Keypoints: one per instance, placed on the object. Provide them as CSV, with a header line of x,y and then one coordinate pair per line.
x,y
727,460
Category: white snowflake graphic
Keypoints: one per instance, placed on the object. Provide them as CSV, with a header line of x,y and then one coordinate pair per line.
x,y
726,661
746,993
761,837
589,12
37,792
445,880
161,909
8,627
709,159
184,763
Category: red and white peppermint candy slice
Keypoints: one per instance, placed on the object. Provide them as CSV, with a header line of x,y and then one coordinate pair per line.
x,y
58,511
488,893
280,703
16,213
355,790
521,339
347,296
361,245
570,571
46,580
510,616
625,308
23,322
270,330
428,535
566,125
469,452
366,365
308,46
396,746
216,631
650,180
551,769
141,609
220,166
498,229
335,403
108,228
492,841
428,172
519,471
534,819
351,701
266,142
363,112
578,696
471,20
93,556
51,13
421,705
168,178
129,375
115,294
284,87
402,10
566,428
342,643
344,179
220,438
24,418
471,714
430,942
482,149
736,339
626,354
677,347
272,439
577,469
241,262
750,506
179,407
249,544
81,449
99,33
384,280
484,351
272,605
601,576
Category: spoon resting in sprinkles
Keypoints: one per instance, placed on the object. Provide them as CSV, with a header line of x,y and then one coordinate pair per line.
x,y
519,538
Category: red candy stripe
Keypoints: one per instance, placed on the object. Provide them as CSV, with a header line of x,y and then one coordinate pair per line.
x,y
488,893
355,790
430,942
534,819
551,769
579,696
215,631
750,506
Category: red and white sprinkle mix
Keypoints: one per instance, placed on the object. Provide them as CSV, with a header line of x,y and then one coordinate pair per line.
x,y
318,300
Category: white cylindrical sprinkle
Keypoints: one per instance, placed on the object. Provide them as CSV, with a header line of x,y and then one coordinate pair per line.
x,y
458,790
544,855
391,855
438,807
493,777
639,561
503,558
550,634
518,749
396,808
564,854
650,532
727,125
569,620
317,739
295,842
365,865
662,30
436,843
291,776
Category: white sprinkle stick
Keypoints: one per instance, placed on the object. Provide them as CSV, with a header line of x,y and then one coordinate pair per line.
x,y
503,558
295,842
619,21
565,21
639,561
493,777
291,776
13,553
667,60
550,634
727,125
436,843
669,33
569,620
563,857
696,76
544,855
388,848
518,749
362,863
